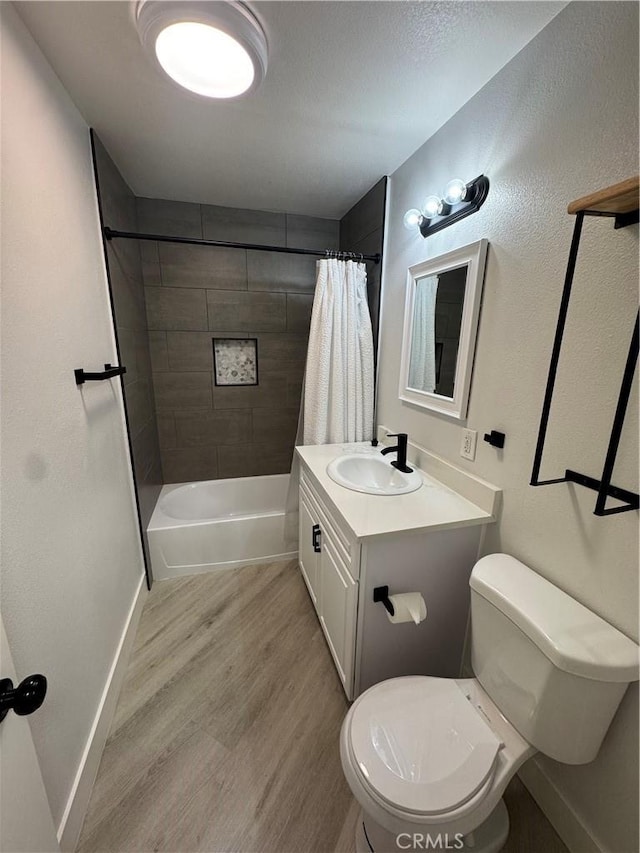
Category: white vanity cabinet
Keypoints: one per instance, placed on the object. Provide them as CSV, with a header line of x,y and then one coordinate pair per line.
x,y
329,571
343,558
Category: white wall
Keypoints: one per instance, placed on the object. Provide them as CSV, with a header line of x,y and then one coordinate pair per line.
x,y
558,122
71,560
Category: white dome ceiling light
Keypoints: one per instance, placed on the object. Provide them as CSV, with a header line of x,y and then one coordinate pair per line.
x,y
215,49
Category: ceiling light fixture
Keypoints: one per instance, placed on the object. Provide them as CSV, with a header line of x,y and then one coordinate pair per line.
x,y
458,200
215,49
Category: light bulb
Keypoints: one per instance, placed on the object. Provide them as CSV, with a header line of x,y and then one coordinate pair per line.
x,y
455,191
204,60
432,206
412,219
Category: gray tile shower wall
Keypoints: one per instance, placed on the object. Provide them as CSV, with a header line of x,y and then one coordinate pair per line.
x,y
194,294
125,264
362,230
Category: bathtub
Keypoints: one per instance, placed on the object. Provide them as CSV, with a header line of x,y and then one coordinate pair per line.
x,y
218,524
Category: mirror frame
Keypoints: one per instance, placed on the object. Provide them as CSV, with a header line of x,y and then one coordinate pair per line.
x,y
474,257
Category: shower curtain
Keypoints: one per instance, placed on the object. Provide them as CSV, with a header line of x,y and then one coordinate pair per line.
x,y
338,390
422,363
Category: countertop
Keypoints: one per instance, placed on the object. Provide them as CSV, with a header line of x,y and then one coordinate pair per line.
x,y
434,506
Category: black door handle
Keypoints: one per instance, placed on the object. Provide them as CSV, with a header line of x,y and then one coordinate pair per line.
x,y
25,698
315,538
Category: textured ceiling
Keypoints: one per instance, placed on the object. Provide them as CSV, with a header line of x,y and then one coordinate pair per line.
x,y
352,90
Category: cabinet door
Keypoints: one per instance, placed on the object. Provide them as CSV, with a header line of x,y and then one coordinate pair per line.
x,y
307,554
338,602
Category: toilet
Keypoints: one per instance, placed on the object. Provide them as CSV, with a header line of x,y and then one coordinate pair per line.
x,y
428,759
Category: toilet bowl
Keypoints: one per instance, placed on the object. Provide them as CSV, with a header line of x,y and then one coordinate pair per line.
x,y
428,759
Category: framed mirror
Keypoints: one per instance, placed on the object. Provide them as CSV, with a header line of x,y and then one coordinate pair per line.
x,y
440,326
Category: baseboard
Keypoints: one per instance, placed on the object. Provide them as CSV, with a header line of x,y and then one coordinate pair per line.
x,y
557,810
75,810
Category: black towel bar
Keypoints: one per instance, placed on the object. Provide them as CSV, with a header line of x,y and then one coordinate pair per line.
x,y
109,372
621,203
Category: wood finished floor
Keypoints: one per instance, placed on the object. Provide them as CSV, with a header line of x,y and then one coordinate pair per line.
x,y
225,736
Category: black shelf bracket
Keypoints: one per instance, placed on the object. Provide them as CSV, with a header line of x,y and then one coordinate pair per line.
x,y
623,219
109,372
603,486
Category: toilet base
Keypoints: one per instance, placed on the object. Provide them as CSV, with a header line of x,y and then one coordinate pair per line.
x,y
489,837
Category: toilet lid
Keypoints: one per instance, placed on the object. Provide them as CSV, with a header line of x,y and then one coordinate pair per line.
x,y
421,745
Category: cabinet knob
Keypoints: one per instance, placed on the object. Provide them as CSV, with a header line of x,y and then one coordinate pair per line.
x,y
315,538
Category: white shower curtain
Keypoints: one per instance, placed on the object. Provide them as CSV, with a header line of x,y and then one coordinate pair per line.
x,y
338,389
422,363
337,393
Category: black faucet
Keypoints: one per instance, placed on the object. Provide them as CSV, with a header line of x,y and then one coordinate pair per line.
x,y
400,462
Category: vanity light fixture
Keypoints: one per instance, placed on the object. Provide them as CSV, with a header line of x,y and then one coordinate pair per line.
x,y
213,48
458,200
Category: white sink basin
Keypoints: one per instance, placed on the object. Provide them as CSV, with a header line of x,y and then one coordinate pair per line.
x,y
374,475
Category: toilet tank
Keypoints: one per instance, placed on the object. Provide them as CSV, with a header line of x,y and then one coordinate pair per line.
x,y
556,670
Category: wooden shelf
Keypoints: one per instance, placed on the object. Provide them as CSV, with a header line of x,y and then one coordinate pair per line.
x,y
620,198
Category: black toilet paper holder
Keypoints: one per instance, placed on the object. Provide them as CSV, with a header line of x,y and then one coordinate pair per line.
x,y
381,593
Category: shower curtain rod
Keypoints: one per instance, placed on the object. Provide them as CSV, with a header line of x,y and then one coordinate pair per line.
x,y
110,234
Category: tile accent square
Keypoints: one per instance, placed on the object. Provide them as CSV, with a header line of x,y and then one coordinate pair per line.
x,y
235,361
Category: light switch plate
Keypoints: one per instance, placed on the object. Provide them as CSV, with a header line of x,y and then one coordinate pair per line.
x,y
468,446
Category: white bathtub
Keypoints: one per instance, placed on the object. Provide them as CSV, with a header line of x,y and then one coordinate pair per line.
x,y
218,524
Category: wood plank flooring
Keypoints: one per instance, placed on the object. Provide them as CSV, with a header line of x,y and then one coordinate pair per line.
x,y
225,736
